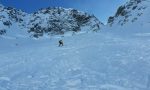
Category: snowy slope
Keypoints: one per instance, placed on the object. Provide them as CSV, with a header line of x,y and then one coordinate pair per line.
x,y
132,17
106,60
57,20
12,22
95,61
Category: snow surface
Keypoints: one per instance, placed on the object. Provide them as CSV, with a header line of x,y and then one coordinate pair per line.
x,y
92,61
115,58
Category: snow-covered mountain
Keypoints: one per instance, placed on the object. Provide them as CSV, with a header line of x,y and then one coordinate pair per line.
x,y
11,21
91,61
60,20
49,21
132,17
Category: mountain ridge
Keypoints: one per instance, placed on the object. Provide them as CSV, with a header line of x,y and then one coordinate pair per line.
x,y
48,21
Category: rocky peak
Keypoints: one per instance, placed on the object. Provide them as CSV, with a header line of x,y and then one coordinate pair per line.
x,y
48,21
58,20
129,12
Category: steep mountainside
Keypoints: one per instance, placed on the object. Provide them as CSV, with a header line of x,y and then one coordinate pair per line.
x,y
11,20
49,21
60,20
133,15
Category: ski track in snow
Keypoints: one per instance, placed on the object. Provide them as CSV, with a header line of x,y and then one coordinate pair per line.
x,y
85,62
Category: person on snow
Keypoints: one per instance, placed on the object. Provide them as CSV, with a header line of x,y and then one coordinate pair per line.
x,y
61,43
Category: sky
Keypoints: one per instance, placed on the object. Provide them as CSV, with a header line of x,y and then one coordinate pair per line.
x,y
102,9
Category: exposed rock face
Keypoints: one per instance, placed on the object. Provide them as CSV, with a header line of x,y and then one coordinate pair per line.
x,y
49,21
130,12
